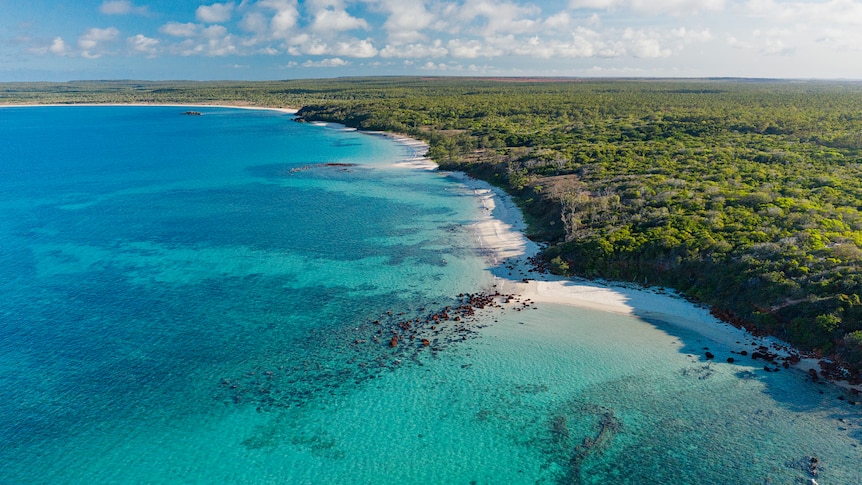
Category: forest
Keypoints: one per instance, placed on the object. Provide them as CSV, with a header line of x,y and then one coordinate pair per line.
x,y
744,195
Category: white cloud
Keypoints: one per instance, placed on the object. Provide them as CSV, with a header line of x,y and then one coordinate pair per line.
x,y
732,41
215,32
647,48
255,22
177,29
317,5
499,17
595,4
58,47
435,49
355,48
840,40
285,18
692,35
488,29
558,21
216,13
95,35
772,42
776,47
187,47
216,47
122,7
794,27
583,42
615,71
471,49
333,62
644,44
652,7
831,12
526,32
580,46
452,66
217,42
92,42
282,24
406,20
304,44
330,21
211,43
143,44
536,47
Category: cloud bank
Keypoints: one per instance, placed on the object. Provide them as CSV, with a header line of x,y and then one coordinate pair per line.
x,y
414,33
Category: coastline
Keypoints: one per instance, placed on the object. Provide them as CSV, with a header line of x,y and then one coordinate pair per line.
x,y
500,233
168,105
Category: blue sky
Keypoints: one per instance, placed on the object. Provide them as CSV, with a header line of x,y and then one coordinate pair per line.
x,y
58,40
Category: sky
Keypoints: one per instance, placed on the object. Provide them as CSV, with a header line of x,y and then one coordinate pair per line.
x,y
61,40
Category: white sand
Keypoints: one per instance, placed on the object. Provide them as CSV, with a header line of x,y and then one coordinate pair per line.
x,y
419,160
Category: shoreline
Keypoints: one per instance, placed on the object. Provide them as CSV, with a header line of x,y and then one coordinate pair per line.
x,y
292,111
418,159
500,233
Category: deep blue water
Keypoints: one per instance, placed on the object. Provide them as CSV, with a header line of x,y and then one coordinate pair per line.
x,y
209,299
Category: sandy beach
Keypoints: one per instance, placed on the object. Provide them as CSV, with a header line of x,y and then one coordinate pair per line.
x,y
419,149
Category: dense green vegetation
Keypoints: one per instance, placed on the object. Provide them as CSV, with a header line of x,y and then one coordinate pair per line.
x,y
743,195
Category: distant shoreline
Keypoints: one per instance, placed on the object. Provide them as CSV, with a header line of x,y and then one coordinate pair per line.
x,y
292,111
500,232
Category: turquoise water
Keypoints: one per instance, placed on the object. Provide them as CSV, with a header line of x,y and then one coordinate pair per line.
x,y
193,300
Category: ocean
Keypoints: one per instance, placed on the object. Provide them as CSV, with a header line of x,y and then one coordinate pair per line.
x,y
239,298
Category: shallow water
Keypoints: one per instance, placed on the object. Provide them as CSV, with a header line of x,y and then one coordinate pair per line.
x,y
192,299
